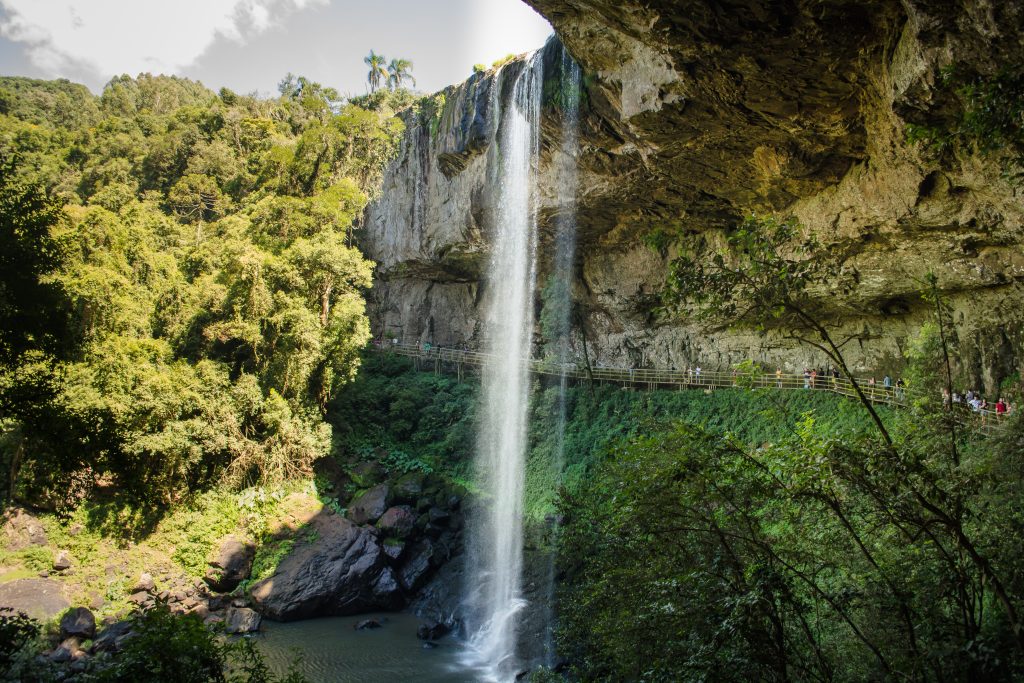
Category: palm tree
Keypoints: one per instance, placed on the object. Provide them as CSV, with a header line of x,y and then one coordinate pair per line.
x,y
398,73
377,69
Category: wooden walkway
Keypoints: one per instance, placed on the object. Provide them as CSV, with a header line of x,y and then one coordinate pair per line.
x,y
455,360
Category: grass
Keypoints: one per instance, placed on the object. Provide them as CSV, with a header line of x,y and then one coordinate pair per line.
x,y
108,565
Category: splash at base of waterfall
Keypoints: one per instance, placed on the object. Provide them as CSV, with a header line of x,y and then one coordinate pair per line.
x,y
487,651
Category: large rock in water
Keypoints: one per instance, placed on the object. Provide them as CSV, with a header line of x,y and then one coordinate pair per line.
x,y
343,572
241,620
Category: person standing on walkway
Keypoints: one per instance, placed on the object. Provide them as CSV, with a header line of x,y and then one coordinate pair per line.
x,y
696,373
887,385
778,377
807,378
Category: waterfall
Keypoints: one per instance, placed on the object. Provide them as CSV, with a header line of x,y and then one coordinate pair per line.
x,y
496,536
559,301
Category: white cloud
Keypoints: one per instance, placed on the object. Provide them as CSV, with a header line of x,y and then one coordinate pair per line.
x,y
110,37
504,27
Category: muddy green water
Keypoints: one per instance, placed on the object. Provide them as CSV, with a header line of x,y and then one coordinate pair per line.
x,y
333,652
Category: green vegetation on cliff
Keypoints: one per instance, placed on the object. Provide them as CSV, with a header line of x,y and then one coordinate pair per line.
x,y
421,420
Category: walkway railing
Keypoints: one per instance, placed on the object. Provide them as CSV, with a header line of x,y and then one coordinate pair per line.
x,y
652,378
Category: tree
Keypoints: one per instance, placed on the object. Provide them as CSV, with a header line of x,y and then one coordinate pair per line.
x,y
31,315
398,73
196,198
765,277
378,70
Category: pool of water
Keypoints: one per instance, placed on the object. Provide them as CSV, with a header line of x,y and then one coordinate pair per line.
x,y
332,651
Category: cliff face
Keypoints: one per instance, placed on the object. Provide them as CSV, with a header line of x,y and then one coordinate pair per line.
x,y
698,113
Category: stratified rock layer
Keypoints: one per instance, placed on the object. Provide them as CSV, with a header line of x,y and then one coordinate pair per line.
x,y
695,114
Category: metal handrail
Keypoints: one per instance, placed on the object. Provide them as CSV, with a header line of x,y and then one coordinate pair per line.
x,y
708,380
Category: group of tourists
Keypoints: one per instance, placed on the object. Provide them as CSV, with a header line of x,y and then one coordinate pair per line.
x,y
815,378
973,400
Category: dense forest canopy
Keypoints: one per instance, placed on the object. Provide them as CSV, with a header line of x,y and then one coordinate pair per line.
x,y
180,292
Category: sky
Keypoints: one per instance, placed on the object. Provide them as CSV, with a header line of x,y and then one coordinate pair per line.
x,y
250,45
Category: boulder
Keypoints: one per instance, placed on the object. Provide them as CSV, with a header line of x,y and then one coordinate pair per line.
x,y
409,487
343,571
368,507
23,530
145,583
417,568
41,599
367,624
70,648
397,522
329,469
439,516
393,548
78,622
139,598
62,561
113,636
230,564
241,620
200,610
432,630
367,474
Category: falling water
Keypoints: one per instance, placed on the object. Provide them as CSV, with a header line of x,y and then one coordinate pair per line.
x,y
560,299
496,544
565,233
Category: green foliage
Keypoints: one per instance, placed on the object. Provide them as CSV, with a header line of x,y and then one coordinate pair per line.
x,y
419,420
186,315
431,110
399,71
989,114
31,250
268,557
58,104
761,276
599,417
168,647
560,93
18,634
378,71
502,61
696,557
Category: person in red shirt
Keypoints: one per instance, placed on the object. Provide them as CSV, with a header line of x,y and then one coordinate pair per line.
x,y
1000,407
